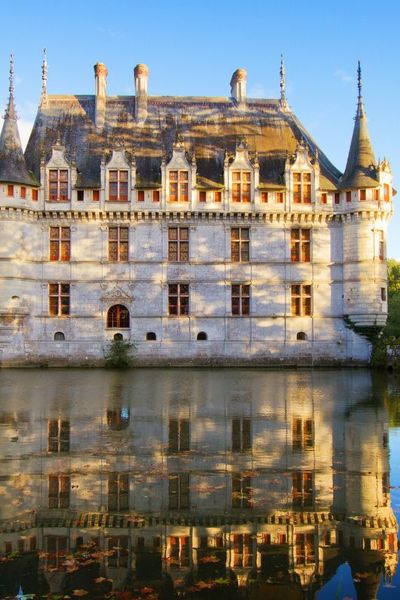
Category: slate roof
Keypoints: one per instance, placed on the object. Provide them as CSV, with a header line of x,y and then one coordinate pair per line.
x,y
208,128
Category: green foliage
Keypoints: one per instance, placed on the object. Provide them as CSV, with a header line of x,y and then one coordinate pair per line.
x,y
119,354
387,345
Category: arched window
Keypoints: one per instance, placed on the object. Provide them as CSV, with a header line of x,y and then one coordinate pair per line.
x,y
201,336
118,317
151,336
301,336
118,337
59,336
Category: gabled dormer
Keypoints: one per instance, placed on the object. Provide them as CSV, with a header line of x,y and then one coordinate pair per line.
x,y
178,176
302,176
58,175
241,176
118,176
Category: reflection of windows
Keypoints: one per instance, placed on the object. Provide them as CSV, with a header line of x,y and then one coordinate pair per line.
x,y
242,550
241,434
241,186
240,237
58,436
56,547
118,418
118,186
178,299
118,317
385,488
59,299
302,434
60,243
119,546
178,491
304,549
178,186
118,244
241,491
179,554
300,245
302,188
240,299
178,244
59,490
301,300
58,185
302,489
179,435
118,491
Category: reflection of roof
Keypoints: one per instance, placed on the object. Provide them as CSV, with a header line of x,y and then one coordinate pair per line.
x,y
273,591
207,127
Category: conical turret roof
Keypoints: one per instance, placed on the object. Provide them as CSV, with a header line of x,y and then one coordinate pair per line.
x,y
13,168
360,168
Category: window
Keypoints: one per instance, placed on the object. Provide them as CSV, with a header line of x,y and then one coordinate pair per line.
x,y
242,550
118,317
383,294
381,245
118,186
156,196
202,196
118,244
301,336
240,237
56,549
59,488
302,489
363,195
179,553
59,299
324,198
202,336
118,492
376,194
302,188
10,190
140,195
119,547
96,195
178,299
178,186
23,192
348,196
240,299
279,197
217,196
386,192
241,491
118,337
304,548
178,244
241,186
300,245
151,336
35,195
301,300
241,434
59,336
58,435
118,419
337,197
58,185
80,195
302,434
264,197
178,491
60,244
179,435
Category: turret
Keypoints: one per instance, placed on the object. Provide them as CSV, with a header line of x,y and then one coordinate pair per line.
x,y
238,86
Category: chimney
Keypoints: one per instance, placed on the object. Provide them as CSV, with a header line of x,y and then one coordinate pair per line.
x,y
238,86
141,74
100,73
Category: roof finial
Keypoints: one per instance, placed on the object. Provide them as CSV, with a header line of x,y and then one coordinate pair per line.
x,y
283,102
44,76
11,88
10,110
359,81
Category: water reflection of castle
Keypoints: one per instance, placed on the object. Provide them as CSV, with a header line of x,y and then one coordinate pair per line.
x,y
278,472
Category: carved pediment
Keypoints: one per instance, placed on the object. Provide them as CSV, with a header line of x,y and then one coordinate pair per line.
x,y
116,293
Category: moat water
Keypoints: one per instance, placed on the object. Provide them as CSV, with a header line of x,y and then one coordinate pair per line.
x,y
199,483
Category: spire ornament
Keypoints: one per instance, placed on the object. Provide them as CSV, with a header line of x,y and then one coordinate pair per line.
x,y
283,103
44,78
10,110
360,105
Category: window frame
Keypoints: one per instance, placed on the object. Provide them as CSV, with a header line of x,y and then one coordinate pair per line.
x,y
180,243
118,247
59,243
240,245
178,435
241,186
120,321
58,184
179,300
300,245
58,436
179,491
240,299
118,182
241,491
178,185
59,490
241,434
118,492
59,299
302,187
301,300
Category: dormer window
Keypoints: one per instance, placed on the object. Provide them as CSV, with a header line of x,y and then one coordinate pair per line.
x,y
241,186
302,188
178,186
58,185
118,186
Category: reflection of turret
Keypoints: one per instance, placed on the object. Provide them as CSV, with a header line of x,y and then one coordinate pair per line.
x,y
276,475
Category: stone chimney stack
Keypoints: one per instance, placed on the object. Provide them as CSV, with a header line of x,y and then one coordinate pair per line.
x,y
238,86
141,74
100,73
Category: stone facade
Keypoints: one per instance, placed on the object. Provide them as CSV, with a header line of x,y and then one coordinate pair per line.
x,y
281,250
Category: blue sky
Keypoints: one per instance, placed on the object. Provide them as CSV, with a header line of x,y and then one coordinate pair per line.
x,y
192,48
